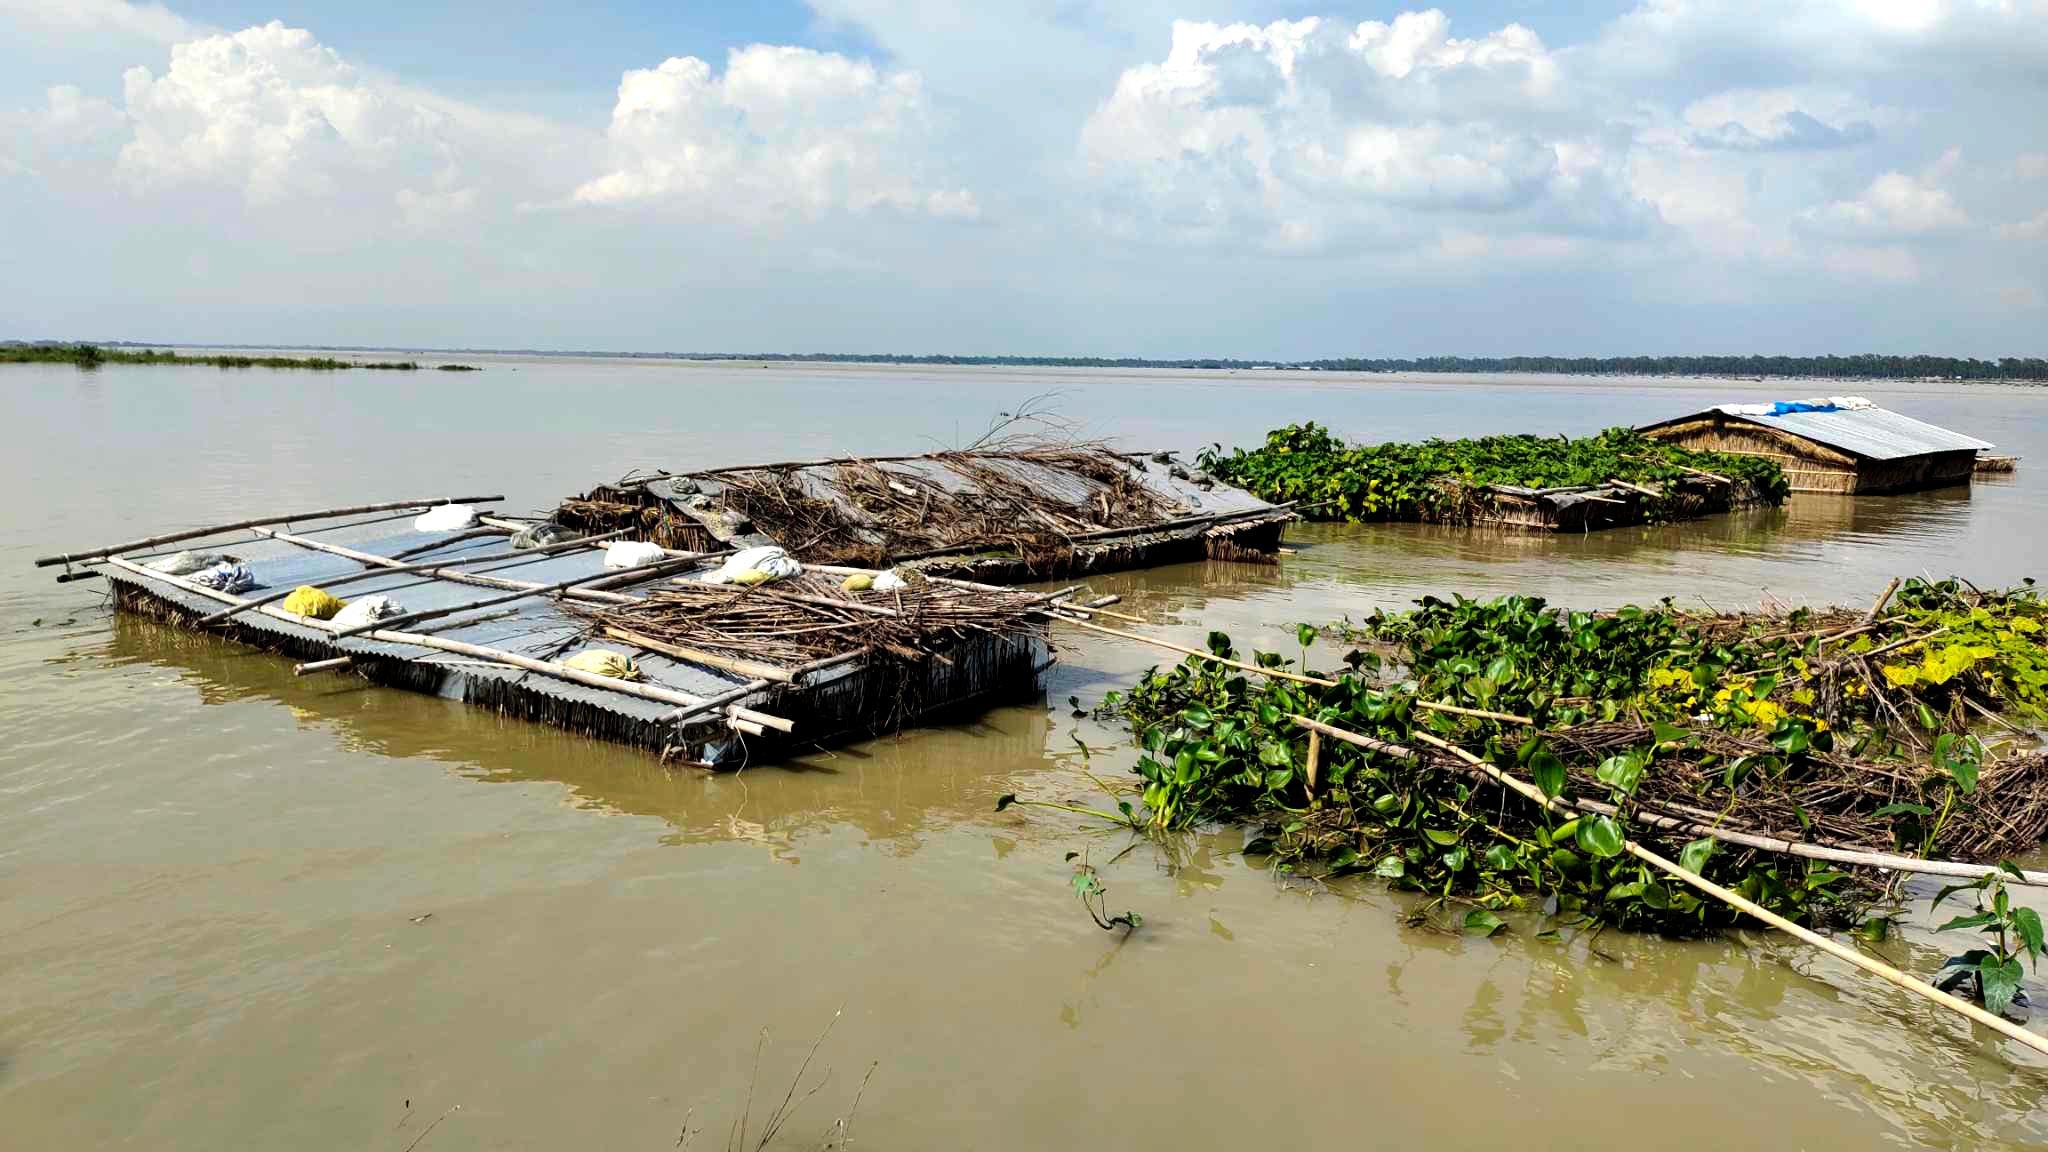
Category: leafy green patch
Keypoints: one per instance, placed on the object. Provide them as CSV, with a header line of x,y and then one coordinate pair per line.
x,y
1436,480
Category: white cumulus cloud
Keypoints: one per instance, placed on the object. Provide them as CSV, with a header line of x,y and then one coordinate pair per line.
x,y
1898,204
1304,132
781,129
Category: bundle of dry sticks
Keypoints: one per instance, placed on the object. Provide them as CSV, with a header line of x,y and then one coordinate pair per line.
x,y
808,618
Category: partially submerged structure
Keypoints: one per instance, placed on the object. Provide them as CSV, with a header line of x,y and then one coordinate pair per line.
x,y
1844,444
996,515
722,674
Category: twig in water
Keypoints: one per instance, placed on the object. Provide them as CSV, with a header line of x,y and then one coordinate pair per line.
x,y
783,1111
842,1128
424,1133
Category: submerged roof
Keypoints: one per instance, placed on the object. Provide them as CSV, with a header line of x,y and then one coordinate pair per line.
x,y
1868,431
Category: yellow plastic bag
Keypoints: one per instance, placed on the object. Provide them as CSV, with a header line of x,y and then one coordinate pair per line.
x,y
604,662
858,582
307,600
753,576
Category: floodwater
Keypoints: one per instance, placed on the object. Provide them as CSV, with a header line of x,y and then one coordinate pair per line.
x,y
243,910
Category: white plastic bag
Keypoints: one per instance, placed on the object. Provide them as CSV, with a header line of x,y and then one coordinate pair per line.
x,y
771,560
889,582
632,554
367,610
226,576
186,563
445,518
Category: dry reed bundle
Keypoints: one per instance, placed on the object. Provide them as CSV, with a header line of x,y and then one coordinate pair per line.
x,y
868,513
808,618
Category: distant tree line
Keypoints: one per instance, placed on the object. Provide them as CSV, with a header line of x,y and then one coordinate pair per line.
x,y
1864,367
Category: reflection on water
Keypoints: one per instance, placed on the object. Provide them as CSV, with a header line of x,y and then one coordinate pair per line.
x,y
214,929
893,790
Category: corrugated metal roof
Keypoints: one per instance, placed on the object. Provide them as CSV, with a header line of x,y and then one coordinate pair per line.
x,y
1875,433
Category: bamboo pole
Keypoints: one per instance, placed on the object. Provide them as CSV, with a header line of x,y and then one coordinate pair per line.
x,y
1315,752
430,567
750,668
1429,705
479,651
313,666
100,554
560,586
1875,967
1876,609
476,578
1891,862
723,699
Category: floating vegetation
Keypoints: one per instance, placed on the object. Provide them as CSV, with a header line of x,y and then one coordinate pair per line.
x,y
1775,754
1469,481
93,356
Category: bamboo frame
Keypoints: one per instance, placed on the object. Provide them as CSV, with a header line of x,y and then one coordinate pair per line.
x,y
681,700
101,554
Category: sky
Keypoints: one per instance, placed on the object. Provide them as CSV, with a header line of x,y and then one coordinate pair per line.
x,y
1159,178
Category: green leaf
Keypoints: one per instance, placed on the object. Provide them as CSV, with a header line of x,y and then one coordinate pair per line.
x,y
1927,718
1502,858
1666,733
1980,920
2026,924
1920,810
1197,717
1964,771
1306,633
1483,923
1600,836
1621,773
1440,837
1547,770
1391,868
1952,889
1998,980
1694,858
1454,860
1791,737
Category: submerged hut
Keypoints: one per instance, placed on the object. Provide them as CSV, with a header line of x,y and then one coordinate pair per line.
x,y
1000,516
1843,444
650,655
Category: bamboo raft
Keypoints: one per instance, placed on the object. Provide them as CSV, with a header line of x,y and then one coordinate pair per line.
x,y
727,675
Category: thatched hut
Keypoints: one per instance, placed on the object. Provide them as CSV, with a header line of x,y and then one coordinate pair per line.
x,y
1842,445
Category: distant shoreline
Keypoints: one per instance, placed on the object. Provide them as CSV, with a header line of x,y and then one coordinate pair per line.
x,y
2012,370
95,355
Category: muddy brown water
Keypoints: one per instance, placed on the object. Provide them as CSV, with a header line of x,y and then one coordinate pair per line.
x,y
239,909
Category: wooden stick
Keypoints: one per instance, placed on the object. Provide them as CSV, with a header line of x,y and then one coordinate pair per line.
x,y
748,668
422,640
321,666
1430,705
1210,656
476,578
1184,522
690,711
642,570
1871,616
1315,752
1875,967
431,567
99,554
